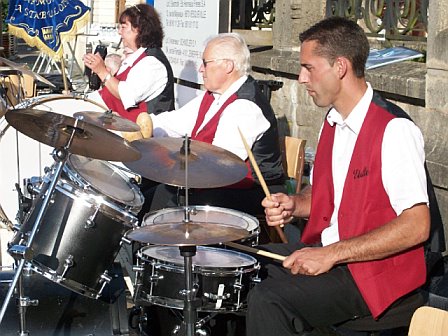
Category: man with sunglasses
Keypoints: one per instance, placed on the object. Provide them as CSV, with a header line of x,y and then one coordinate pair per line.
x,y
232,100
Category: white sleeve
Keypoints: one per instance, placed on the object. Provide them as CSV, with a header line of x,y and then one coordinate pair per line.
x,y
403,158
248,117
146,80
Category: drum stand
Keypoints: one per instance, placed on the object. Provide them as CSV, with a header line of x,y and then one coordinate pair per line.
x,y
24,252
191,303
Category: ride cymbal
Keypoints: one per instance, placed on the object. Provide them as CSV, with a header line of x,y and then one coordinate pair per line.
x,y
208,166
108,120
55,130
187,233
23,69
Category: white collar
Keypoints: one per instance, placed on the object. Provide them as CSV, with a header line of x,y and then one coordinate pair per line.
x,y
132,57
357,115
231,90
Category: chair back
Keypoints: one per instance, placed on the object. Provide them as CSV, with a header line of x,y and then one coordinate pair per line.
x,y
294,158
429,321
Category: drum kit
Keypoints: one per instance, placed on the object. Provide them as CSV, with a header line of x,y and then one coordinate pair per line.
x,y
84,208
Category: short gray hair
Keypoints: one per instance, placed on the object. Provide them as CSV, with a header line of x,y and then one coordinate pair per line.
x,y
232,46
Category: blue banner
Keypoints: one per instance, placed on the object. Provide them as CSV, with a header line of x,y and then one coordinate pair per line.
x,y
46,23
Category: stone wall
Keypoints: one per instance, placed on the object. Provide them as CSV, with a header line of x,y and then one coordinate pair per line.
x,y
418,88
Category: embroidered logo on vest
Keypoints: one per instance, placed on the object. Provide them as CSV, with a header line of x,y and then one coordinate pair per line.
x,y
358,173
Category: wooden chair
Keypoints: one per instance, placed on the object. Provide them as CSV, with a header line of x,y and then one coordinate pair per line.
x,y
293,158
429,321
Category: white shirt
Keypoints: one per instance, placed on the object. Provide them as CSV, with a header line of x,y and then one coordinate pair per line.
x,y
242,114
402,156
145,81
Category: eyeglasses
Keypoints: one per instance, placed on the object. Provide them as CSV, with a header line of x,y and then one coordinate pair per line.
x,y
205,62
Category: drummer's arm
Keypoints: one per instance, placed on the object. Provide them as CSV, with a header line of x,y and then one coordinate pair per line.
x,y
145,122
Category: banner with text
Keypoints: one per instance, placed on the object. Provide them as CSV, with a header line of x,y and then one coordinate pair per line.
x,y
187,25
46,23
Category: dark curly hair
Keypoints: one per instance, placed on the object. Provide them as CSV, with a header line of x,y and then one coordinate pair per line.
x,y
146,20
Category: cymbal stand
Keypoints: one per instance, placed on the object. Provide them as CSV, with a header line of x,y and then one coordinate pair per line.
x,y
190,303
60,156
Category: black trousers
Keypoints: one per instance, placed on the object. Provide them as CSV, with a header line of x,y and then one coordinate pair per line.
x,y
285,304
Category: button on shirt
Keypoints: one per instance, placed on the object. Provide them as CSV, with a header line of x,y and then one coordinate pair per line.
x,y
402,155
242,114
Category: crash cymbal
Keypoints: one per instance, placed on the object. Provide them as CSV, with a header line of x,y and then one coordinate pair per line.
x,y
55,129
187,234
24,70
208,166
108,120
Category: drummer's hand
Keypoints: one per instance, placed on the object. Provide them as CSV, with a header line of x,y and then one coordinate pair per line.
x,y
278,209
310,261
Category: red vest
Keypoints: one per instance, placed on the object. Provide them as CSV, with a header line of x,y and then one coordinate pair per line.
x,y
364,207
115,104
207,133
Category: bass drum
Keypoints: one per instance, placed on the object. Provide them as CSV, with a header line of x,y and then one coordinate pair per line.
x,y
23,157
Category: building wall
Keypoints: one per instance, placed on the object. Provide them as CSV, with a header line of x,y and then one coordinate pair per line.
x,y
418,88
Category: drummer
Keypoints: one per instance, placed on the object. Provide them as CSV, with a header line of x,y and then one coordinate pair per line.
x,y
232,101
144,81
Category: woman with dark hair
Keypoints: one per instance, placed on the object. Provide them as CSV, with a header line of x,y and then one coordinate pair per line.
x,y
144,82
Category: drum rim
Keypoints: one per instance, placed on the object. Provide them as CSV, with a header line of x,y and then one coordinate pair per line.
x,y
202,268
31,102
239,214
72,172
90,200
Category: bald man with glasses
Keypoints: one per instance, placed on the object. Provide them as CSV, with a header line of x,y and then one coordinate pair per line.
x,y
232,100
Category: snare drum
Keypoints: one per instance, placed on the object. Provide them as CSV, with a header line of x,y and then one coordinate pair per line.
x,y
221,278
208,214
92,206
23,157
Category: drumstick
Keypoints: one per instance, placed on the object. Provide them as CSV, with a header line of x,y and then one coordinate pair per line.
x,y
262,182
256,251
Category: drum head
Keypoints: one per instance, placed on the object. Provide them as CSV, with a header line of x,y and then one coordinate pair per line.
x,y
205,257
204,214
104,178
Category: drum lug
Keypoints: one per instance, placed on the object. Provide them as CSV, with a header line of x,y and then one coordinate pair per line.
x,y
215,297
90,222
155,278
68,262
26,302
238,286
104,279
125,240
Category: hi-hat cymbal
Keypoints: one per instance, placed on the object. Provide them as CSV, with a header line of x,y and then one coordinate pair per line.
x,y
187,234
108,120
26,71
55,130
208,166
